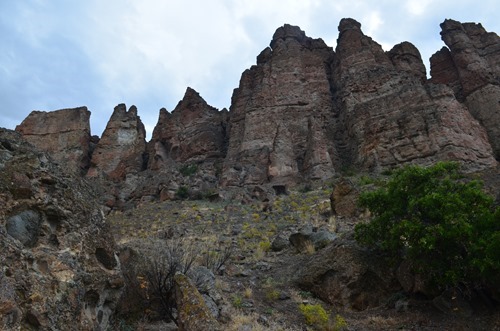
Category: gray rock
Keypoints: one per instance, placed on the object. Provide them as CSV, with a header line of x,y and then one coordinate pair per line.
x,y
25,227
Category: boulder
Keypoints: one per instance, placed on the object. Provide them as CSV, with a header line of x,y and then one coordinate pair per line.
x,y
193,313
347,275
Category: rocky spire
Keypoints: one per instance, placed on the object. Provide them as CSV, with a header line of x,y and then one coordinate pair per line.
x,y
194,131
122,147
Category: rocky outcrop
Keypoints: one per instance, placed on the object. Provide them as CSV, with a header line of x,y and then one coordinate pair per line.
x,y
193,313
58,266
302,114
65,134
388,116
193,132
281,115
345,274
471,67
122,147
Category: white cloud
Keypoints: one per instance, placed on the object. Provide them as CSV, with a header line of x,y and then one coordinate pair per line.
x,y
58,54
417,7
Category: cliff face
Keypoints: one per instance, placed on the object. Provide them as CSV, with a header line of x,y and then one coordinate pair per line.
x,y
471,67
304,112
58,269
281,114
65,134
193,132
389,115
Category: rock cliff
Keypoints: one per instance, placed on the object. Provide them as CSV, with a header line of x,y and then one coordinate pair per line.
x,y
122,147
58,268
389,115
65,134
193,132
281,114
471,67
303,113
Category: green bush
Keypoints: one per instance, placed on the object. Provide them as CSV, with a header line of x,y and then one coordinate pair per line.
x,y
315,315
445,226
182,193
188,170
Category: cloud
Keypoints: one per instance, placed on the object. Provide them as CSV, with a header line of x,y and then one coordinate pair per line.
x,y
60,54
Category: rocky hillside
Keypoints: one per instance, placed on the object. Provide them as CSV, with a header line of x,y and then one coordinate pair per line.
x,y
304,113
58,270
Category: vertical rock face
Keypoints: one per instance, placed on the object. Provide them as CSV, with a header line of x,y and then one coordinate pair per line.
x,y
472,68
281,114
65,134
58,270
193,132
122,147
389,117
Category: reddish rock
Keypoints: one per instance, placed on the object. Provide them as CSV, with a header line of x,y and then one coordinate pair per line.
x,y
122,147
193,132
474,72
389,117
281,115
64,134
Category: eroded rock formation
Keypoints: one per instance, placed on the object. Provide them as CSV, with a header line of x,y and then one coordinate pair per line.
x,y
389,116
193,132
65,134
58,268
281,114
471,67
122,147
303,113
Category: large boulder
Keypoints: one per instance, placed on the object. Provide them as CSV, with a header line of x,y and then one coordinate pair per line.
x,y
58,267
347,275
193,313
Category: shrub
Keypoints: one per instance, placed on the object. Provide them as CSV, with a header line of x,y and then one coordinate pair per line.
x,y
188,170
182,193
167,261
315,315
444,225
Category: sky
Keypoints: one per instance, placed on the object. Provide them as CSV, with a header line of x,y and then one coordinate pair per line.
x,y
57,54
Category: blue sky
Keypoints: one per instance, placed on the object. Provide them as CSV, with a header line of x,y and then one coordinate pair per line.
x,y
66,53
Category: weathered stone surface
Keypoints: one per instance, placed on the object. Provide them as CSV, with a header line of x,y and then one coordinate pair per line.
x,y
472,69
344,198
388,117
57,268
344,274
193,132
64,134
193,313
122,147
281,115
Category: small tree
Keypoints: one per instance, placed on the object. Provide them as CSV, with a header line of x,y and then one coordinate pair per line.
x,y
445,226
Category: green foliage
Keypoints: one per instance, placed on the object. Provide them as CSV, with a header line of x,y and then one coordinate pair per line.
x,y
182,193
446,226
315,315
188,170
